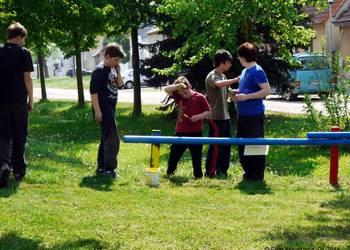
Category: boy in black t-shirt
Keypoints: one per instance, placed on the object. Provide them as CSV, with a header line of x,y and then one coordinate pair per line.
x,y
16,99
105,81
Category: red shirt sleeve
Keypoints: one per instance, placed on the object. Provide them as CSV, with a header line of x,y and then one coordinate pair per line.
x,y
175,96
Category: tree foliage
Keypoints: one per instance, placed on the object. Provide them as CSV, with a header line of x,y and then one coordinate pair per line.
x,y
76,24
210,25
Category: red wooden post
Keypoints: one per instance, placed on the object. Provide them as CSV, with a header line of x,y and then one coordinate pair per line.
x,y
334,161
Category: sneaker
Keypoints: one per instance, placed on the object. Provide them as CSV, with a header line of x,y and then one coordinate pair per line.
x,y
4,175
111,173
100,171
18,177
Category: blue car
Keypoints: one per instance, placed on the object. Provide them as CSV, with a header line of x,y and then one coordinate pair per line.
x,y
313,76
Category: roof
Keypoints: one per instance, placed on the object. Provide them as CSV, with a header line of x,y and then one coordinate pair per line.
x,y
318,16
342,17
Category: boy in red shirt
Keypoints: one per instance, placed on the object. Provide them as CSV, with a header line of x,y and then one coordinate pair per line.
x,y
193,109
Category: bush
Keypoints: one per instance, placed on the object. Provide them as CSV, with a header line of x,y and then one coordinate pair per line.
x,y
336,103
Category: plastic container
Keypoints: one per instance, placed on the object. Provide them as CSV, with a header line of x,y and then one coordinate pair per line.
x,y
152,177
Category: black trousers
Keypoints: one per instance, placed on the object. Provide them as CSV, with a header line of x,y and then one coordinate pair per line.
x,y
13,136
109,143
251,127
218,156
177,150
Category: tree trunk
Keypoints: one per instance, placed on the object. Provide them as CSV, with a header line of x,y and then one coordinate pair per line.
x,y
248,34
47,75
136,66
42,78
79,77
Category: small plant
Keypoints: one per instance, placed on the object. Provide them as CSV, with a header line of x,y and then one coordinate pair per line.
x,y
336,103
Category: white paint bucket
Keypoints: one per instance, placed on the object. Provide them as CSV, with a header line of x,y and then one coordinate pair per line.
x,y
152,177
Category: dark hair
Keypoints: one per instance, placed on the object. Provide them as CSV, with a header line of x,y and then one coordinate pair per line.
x,y
247,51
115,50
182,79
221,56
14,30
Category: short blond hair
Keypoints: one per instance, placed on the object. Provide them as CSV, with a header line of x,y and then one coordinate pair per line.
x,y
182,79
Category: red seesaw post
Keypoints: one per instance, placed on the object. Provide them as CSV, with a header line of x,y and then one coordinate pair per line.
x,y
334,161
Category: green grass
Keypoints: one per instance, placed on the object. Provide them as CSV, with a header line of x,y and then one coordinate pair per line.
x,y
61,204
64,82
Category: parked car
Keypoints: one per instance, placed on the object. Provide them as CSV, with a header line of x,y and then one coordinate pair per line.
x,y
84,72
313,76
128,79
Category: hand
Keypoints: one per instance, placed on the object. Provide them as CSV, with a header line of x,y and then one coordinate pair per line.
x,y
98,117
117,68
241,97
233,91
30,105
195,118
232,97
181,86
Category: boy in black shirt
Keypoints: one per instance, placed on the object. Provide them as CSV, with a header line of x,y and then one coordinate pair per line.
x,y
105,81
16,98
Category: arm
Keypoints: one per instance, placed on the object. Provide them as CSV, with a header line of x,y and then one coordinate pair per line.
x,y
29,87
96,107
264,91
171,88
225,83
119,77
200,116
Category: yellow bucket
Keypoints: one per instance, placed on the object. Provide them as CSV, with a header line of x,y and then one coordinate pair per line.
x,y
152,177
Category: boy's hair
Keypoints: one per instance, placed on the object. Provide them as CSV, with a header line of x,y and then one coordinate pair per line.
x,y
182,79
16,29
221,56
247,51
114,50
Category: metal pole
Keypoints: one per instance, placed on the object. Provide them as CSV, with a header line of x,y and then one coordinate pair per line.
x,y
334,161
331,37
233,141
154,162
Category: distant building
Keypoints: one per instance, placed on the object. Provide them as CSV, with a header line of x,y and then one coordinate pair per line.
x,y
320,22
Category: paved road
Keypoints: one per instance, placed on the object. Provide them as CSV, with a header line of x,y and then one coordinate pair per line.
x,y
155,96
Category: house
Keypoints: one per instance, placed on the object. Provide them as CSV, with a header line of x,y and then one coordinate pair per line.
x,y
341,21
320,22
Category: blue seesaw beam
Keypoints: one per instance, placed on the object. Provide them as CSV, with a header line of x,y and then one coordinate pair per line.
x,y
328,135
231,141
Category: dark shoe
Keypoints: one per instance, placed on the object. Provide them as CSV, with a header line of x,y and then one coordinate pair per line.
x,y
209,175
18,177
4,175
111,173
100,171
222,175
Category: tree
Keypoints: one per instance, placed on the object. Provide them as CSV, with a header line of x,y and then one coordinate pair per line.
x,y
76,25
32,14
275,26
129,16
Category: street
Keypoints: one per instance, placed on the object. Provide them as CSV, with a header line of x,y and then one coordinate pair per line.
x,y
155,96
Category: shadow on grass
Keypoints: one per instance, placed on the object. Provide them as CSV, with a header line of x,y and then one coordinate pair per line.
x,y
329,225
10,189
179,180
100,183
58,126
13,241
253,187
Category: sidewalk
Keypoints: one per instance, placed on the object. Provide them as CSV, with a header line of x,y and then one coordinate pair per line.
x,y
155,96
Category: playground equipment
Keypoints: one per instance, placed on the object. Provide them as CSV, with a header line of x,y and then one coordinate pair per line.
x,y
332,139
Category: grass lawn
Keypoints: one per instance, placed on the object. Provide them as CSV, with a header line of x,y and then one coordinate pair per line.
x,y
63,82
61,204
